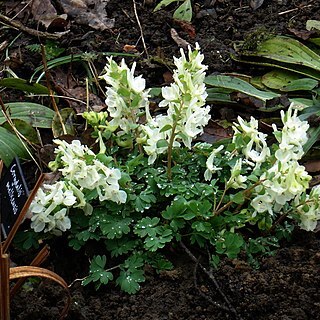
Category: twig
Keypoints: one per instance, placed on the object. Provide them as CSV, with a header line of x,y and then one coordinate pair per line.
x,y
48,78
140,27
32,32
218,305
295,9
213,279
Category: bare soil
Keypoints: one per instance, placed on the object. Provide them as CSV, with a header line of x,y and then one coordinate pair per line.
x,y
286,286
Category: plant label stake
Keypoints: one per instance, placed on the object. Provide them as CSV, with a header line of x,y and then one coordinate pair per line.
x,y
14,194
15,202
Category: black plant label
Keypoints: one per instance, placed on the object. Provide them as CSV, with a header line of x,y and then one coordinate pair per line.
x,y
13,195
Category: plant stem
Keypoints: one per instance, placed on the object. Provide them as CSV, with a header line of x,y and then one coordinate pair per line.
x,y
169,165
214,280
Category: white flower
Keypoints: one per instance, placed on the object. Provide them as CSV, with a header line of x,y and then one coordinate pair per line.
x,y
211,168
237,180
309,211
126,95
256,149
263,203
39,221
186,113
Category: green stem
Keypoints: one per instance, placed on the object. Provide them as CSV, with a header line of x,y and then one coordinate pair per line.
x,y
169,165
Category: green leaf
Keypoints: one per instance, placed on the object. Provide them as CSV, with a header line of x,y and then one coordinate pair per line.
x,y
238,198
129,280
34,114
301,84
239,85
313,25
163,4
111,226
131,274
166,128
97,272
162,143
10,147
68,118
120,246
184,12
23,85
24,129
146,226
277,79
285,53
155,242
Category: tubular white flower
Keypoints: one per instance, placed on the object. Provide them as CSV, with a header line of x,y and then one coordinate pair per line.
x,y
126,95
211,168
236,180
256,149
185,100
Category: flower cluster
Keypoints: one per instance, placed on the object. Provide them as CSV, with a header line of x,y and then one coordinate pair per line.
x,y
309,209
126,95
252,142
81,172
184,99
49,208
286,178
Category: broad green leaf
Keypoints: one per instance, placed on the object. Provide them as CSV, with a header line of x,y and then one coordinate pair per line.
x,y
155,242
307,84
184,12
163,4
221,95
285,49
238,198
316,41
23,85
166,128
10,147
277,79
25,129
286,53
34,114
236,84
112,227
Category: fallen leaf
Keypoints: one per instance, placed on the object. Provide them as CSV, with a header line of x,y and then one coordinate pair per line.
x,y
129,48
255,4
167,77
178,40
88,12
302,34
312,166
187,27
44,12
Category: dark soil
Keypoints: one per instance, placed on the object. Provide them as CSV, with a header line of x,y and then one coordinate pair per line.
x,y
287,284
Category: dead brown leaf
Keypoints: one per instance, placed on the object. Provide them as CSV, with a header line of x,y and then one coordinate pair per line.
x,y
88,12
312,166
302,34
130,48
44,12
187,27
178,40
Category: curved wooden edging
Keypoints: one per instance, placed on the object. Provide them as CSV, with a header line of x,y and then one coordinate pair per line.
x,y
30,271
